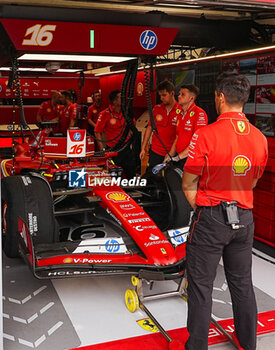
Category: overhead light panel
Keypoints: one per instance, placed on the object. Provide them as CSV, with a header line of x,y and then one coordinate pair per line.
x,y
73,58
25,69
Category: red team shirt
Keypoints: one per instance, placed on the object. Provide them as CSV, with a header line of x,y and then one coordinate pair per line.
x,y
166,125
111,123
93,112
187,124
226,170
47,112
67,115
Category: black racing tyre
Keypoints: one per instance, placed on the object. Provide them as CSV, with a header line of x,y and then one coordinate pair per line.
x,y
28,197
182,209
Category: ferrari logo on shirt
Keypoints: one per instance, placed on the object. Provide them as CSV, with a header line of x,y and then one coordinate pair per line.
x,y
241,126
159,117
113,121
241,165
148,324
178,111
192,113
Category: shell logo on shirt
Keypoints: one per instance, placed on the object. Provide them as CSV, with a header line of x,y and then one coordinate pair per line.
x,y
49,110
241,125
192,113
117,196
159,117
95,111
113,121
241,165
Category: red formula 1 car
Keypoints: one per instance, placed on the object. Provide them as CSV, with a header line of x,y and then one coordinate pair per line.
x,y
102,228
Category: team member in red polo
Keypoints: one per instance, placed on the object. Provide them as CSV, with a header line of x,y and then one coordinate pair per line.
x,y
165,116
225,161
112,123
192,119
94,110
50,110
68,115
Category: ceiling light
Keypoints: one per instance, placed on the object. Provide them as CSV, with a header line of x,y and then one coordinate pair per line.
x,y
25,69
73,58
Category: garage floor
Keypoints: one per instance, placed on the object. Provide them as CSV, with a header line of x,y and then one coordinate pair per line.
x,y
71,313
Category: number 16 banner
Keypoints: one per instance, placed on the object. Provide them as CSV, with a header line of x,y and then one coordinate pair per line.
x,y
76,143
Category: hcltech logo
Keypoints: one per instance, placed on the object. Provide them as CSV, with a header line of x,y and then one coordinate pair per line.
x,y
77,136
148,40
77,178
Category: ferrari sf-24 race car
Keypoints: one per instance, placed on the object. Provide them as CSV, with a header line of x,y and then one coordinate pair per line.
x,y
99,229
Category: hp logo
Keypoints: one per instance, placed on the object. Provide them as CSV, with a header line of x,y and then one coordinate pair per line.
x,y
148,40
77,136
112,246
177,237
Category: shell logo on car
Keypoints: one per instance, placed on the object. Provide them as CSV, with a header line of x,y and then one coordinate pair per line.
x,y
67,260
241,165
117,197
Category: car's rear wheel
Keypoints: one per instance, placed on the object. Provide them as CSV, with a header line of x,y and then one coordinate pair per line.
x,y
29,198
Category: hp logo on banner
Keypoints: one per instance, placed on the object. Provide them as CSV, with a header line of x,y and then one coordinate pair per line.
x,y
148,40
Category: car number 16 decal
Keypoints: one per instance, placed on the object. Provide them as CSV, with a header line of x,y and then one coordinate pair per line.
x,y
76,143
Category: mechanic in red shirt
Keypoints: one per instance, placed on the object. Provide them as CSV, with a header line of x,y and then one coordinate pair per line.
x,y
192,119
224,163
68,115
50,110
165,115
112,123
94,110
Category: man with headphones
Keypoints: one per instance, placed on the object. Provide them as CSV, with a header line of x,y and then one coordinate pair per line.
x,y
224,163
192,119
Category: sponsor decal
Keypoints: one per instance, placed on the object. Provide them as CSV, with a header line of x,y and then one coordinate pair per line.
x,y
26,180
140,89
49,110
133,214
163,251
68,260
188,122
156,243
91,261
159,117
241,165
192,113
142,228
113,216
179,236
77,136
148,324
112,246
148,39
69,273
178,111
153,237
117,197
127,206
113,121
139,220
77,178
95,111
241,125
48,142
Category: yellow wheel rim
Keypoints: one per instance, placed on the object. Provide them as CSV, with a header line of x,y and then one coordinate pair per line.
x,y
131,300
135,281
